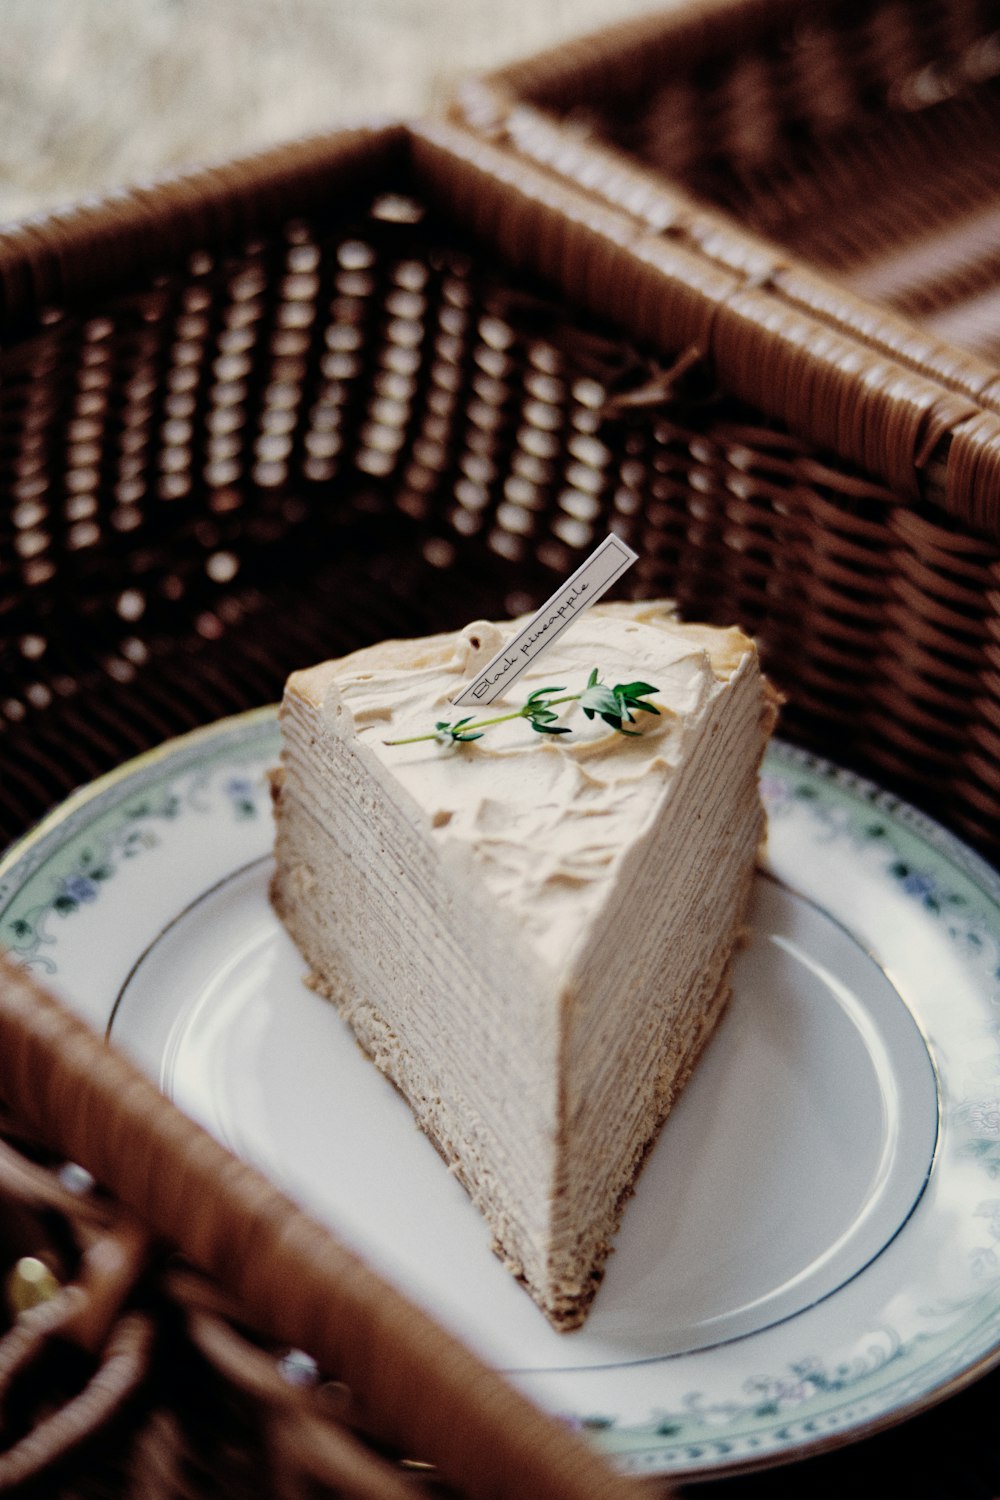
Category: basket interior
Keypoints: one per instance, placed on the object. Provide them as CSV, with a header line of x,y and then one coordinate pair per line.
x,y
864,136
362,424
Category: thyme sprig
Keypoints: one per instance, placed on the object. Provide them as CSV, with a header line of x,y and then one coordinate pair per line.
x,y
617,706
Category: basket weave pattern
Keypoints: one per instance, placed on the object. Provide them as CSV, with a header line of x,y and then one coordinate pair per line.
x,y
140,1377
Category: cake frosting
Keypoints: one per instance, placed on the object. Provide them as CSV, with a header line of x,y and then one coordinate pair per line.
x,y
530,934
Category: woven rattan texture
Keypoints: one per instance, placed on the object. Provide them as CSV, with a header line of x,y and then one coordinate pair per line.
x,y
864,137
135,1376
363,423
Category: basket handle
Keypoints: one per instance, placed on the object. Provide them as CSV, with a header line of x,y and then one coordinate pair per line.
x,y
296,1281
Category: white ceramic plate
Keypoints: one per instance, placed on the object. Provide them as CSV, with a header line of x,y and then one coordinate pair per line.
x,y
814,1247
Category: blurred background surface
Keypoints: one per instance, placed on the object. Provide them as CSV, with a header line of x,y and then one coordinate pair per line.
x,y
95,94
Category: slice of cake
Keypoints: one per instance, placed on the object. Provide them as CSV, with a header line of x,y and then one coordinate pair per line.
x,y
531,934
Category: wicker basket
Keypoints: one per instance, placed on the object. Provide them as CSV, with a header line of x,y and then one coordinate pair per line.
x,y
386,382
863,138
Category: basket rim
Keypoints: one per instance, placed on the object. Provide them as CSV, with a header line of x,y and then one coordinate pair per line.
x,y
761,319
608,56
491,107
91,245
902,423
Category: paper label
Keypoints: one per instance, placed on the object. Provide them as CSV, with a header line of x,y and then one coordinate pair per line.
x,y
603,567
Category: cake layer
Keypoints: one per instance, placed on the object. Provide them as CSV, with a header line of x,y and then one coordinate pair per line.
x,y
530,934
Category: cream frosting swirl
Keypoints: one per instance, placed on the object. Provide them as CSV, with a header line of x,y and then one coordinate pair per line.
x,y
544,818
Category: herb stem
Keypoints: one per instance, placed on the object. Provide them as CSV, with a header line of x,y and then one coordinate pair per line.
x,y
617,706
524,712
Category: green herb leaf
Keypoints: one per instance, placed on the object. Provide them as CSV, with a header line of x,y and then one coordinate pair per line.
x,y
598,699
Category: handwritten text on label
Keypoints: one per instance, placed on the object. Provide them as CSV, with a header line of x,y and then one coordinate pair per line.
x,y
594,577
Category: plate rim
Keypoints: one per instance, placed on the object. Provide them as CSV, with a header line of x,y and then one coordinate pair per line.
x,y
89,791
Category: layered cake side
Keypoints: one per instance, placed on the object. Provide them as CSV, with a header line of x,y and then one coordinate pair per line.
x,y
531,934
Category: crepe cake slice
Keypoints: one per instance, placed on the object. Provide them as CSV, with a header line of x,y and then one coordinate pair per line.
x,y
532,934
